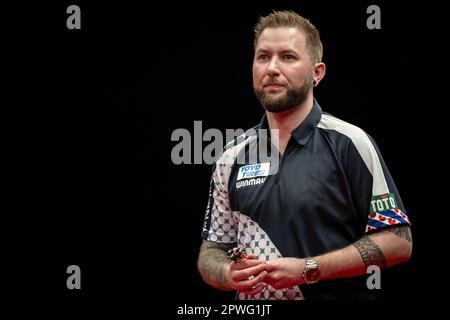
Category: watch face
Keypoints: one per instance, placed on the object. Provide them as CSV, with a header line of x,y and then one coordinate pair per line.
x,y
312,274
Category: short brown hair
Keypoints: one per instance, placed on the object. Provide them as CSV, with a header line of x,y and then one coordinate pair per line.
x,y
290,19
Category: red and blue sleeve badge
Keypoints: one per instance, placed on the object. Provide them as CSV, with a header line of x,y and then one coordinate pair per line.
x,y
384,212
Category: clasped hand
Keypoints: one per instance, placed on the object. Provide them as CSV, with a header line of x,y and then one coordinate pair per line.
x,y
250,275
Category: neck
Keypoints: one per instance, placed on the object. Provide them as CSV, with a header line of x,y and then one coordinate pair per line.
x,y
285,122
288,120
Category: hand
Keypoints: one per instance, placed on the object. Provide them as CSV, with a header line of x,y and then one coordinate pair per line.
x,y
284,272
246,274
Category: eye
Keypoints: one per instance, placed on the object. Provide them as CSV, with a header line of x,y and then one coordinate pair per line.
x,y
262,57
289,57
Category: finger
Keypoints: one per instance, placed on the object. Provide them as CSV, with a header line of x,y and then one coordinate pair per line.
x,y
245,263
253,282
271,277
244,274
250,256
258,288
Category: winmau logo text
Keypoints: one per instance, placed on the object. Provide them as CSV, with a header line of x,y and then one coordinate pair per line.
x,y
249,182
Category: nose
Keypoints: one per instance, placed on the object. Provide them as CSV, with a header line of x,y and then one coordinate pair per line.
x,y
273,68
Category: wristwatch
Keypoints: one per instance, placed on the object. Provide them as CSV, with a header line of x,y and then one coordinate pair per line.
x,y
311,272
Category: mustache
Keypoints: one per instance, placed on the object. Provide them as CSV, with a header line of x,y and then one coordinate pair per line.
x,y
273,83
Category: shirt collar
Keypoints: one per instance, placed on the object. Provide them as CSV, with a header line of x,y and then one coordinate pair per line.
x,y
303,132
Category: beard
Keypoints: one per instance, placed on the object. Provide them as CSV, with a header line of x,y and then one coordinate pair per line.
x,y
279,103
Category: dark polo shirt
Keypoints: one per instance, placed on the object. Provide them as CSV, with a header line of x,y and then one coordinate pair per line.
x,y
329,188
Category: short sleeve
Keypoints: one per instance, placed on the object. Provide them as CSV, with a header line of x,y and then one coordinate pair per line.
x,y
374,193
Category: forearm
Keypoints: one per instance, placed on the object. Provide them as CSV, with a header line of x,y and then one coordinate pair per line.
x,y
384,248
211,264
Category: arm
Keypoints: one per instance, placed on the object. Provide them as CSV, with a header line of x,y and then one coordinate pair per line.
x,y
384,248
219,272
211,264
215,268
377,203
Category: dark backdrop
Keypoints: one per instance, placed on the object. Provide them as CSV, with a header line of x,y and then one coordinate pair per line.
x,y
104,101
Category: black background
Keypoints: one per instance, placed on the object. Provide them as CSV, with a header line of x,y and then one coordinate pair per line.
x,y
104,100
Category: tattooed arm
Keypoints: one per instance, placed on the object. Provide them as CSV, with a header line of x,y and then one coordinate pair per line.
x,y
219,272
211,264
384,248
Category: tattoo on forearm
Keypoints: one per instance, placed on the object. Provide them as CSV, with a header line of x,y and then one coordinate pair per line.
x,y
370,252
402,231
211,262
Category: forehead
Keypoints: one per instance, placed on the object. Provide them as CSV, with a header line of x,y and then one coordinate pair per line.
x,y
281,39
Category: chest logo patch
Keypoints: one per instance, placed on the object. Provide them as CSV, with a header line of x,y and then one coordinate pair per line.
x,y
252,174
253,171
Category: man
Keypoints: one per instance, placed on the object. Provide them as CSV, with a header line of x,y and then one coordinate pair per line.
x,y
312,224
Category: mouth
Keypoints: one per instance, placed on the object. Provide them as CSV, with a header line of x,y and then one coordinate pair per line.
x,y
273,86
